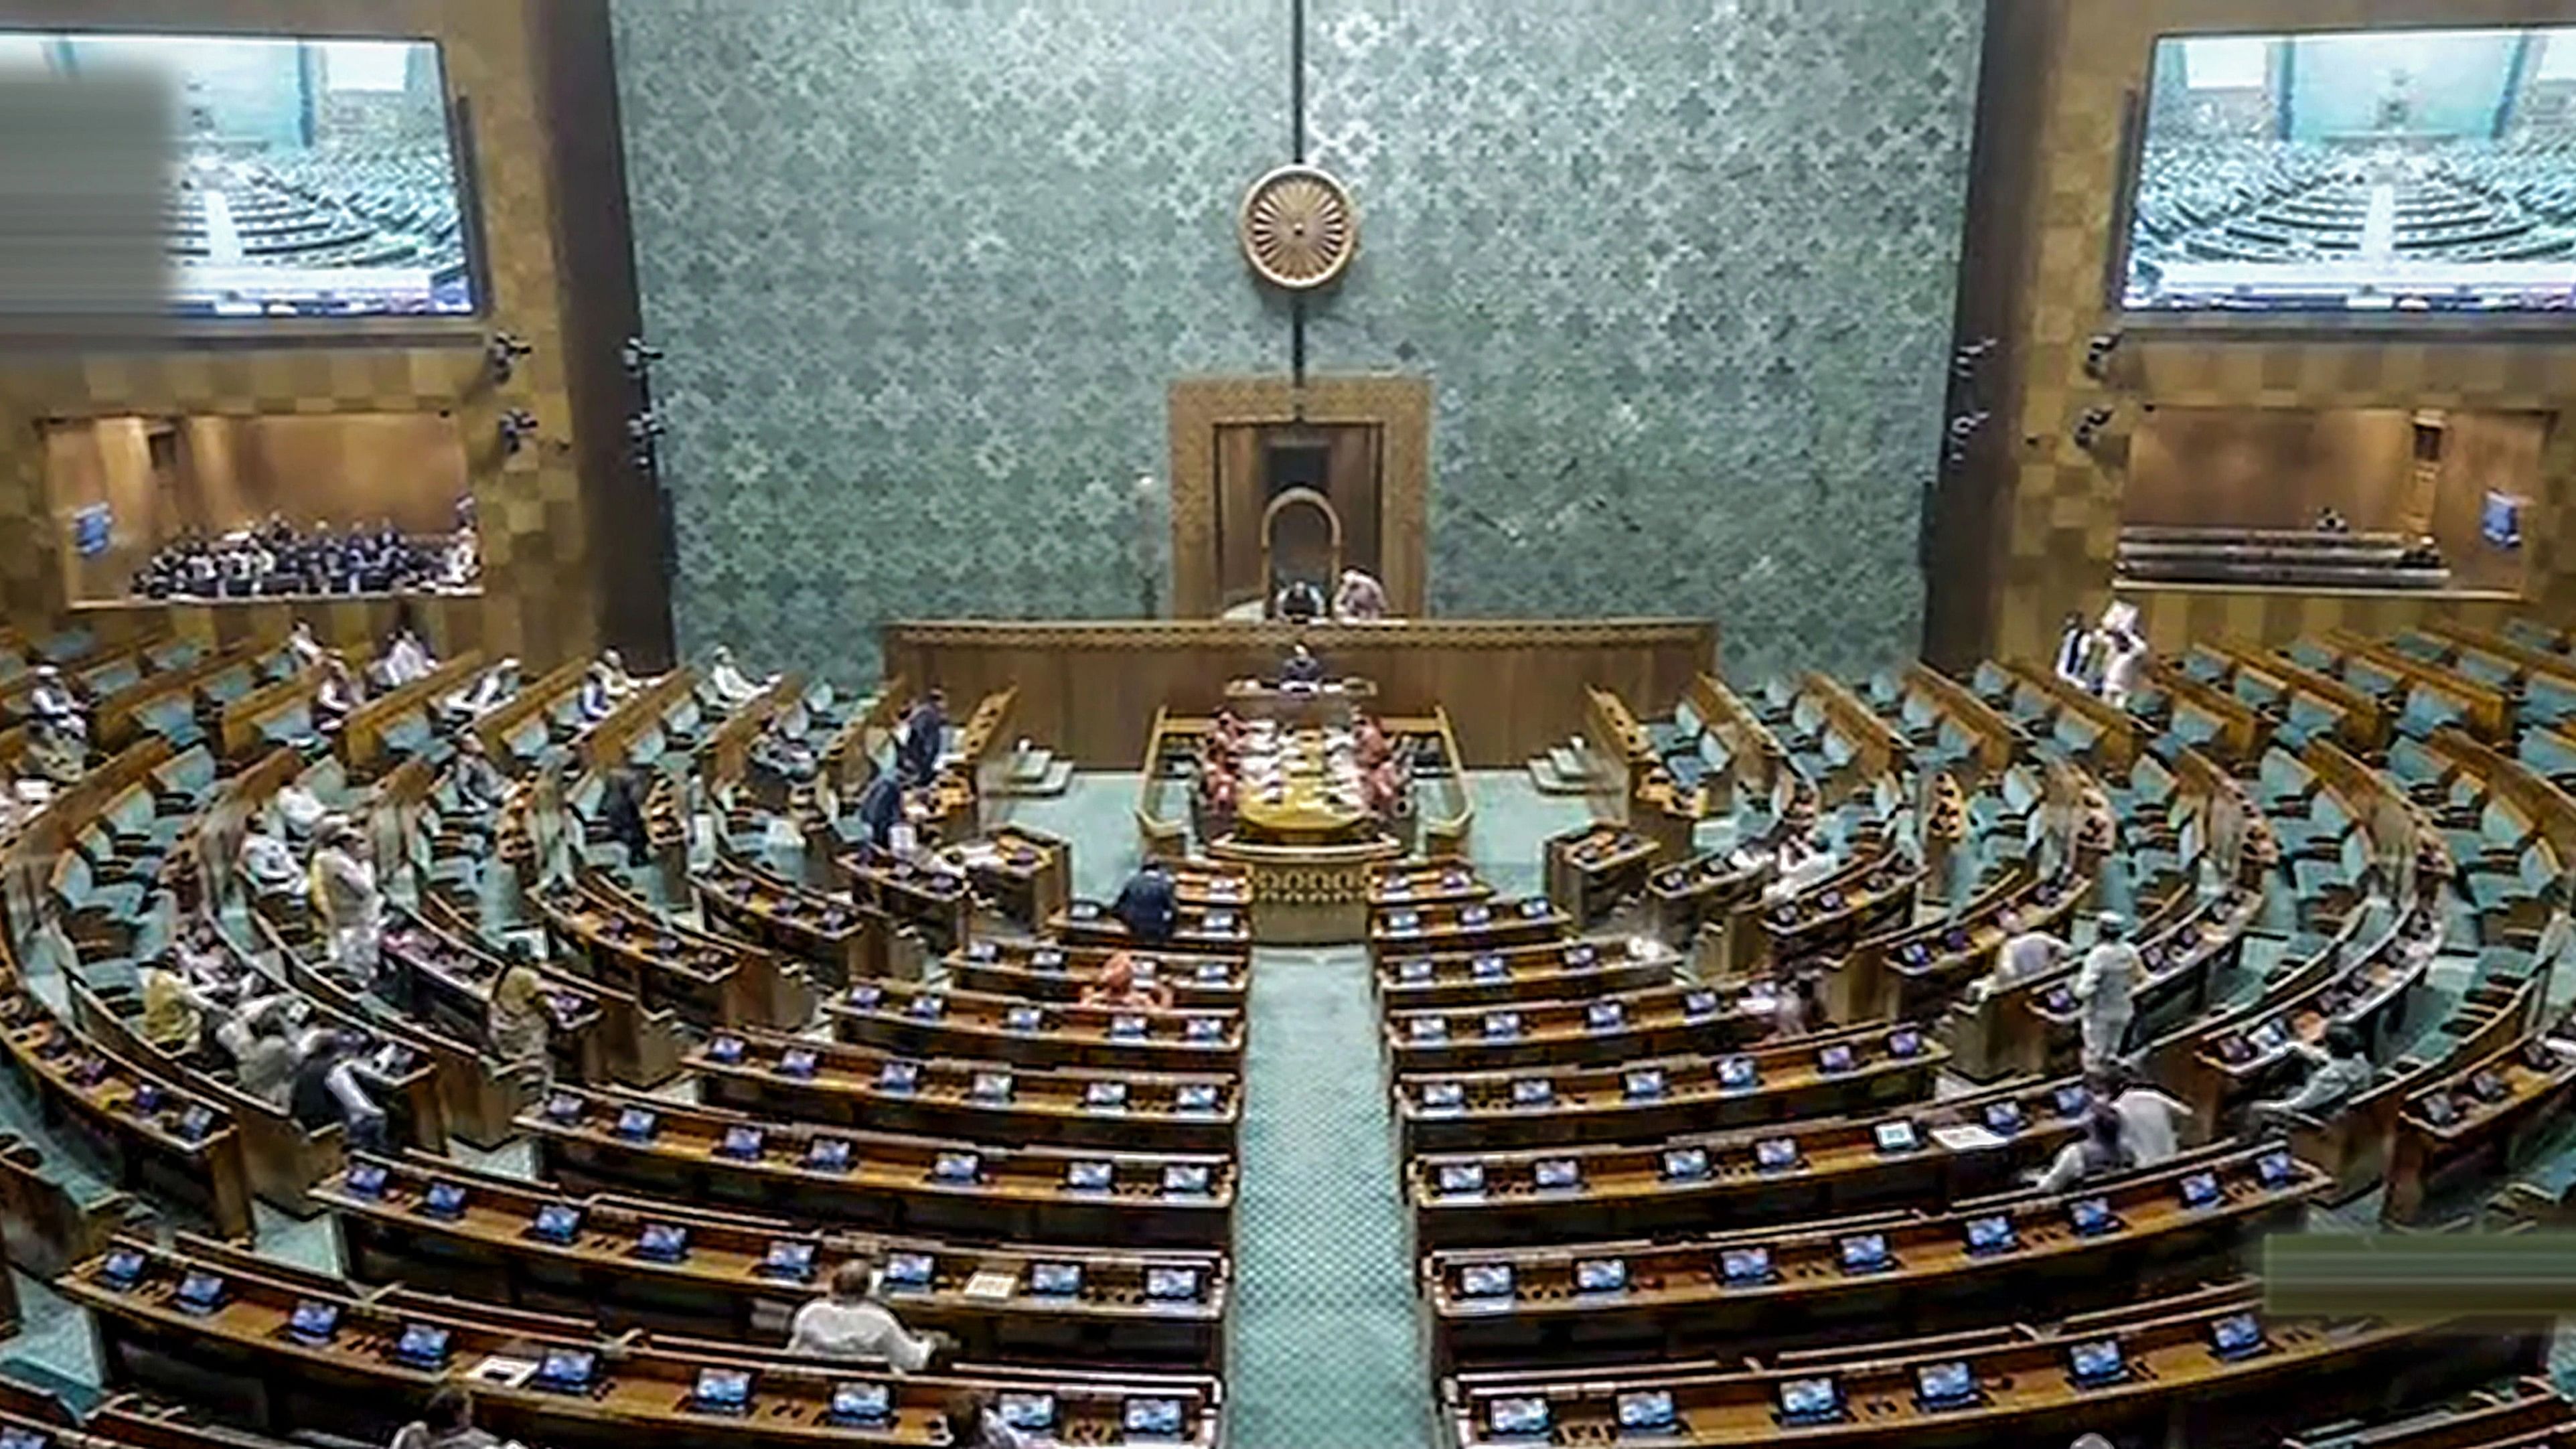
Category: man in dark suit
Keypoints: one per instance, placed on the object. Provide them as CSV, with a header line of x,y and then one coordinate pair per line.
x,y
1301,667
1149,904
925,733
881,808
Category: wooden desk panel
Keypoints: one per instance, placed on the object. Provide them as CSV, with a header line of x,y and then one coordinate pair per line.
x,y
1089,690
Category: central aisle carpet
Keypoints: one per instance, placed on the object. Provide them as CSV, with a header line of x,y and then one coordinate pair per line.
x,y
1324,1353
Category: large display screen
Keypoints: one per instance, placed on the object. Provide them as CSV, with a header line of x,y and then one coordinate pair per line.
x,y
2392,172
305,177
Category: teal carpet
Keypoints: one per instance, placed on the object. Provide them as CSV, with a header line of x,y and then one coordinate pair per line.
x,y
1324,1351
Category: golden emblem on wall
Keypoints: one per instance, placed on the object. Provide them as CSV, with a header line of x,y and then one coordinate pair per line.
x,y
1298,228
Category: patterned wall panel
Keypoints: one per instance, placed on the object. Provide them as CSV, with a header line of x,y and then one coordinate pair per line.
x,y
1684,276
2062,527
1683,282
539,600
924,269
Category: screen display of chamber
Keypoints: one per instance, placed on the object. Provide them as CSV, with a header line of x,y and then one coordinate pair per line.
x,y
304,177
2377,171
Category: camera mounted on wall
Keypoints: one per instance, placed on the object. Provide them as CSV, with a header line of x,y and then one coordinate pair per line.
x,y
518,430
502,355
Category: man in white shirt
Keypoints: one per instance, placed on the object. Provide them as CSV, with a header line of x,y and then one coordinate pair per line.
x,y
2147,1116
725,680
849,1323
2024,954
2334,1075
344,887
2103,987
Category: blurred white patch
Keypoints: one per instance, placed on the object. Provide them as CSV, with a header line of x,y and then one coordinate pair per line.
x,y
83,180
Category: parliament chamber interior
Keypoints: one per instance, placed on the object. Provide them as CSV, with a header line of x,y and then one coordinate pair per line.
x,y
1287,723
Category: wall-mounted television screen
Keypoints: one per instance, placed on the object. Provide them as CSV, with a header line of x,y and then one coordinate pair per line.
x,y
305,177
2383,171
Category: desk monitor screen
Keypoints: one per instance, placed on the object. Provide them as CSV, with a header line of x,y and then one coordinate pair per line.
x,y
1483,968
1105,1096
1203,1029
366,1180
957,1167
722,1391
2441,1109
990,1087
927,1007
1055,1280
1604,1015
787,1258
2238,1335
2091,1217
1520,1416
866,996
197,1123
1195,1097
637,1124
564,1108
17,1438
2486,1086
422,1345
2096,1362
1991,1234
861,1402
1644,1084
1835,1058
1866,1253
1187,1179
444,1200
797,1062
1211,973
1685,1164
1089,1176
1744,1267
567,1370
909,1270
1904,1042
555,1222
1556,1174
1414,969
725,1050
1172,1285
1475,915
2274,1169
2003,1118
1423,1029
1646,1411
1443,1096
201,1292
1811,1401
1737,1074
2071,1100
1697,1004
1944,1385
1485,1280
1033,1413
1460,1177
1533,1092
1502,1025
1601,1275
2199,1189
1898,1136
662,1242
313,1322
742,1142
898,1076
828,1154
1151,1418
1024,1018
1776,1154
123,1268
1128,1026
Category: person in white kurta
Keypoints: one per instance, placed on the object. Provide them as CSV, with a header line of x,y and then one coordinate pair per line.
x,y
2103,991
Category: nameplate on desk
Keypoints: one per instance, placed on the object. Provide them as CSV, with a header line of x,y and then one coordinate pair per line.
x,y
1966,1137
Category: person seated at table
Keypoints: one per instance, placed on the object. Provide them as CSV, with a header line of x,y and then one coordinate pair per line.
x,y
1360,598
485,693
406,659
598,698
174,1008
2100,1152
200,956
925,735
1301,666
2334,1074
972,1422
1149,904
480,785
57,757
1300,602
1799,1007
302,648
259,1037
51,702
269,863
850,1322
2024,954
1119,986
1369,741
620,683
518,1025
725,680
337,697
782,754
1382,790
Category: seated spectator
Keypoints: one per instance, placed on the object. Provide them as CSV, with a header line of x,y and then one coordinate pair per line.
x,y
726,681
620,683
598,698
1360,599
2333,1075
520,1026
1301,602
56,756
850,1322
486,693
1119,987
330,1086
53,704
337,697
1301,667
174,1009
972,1423
406,659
